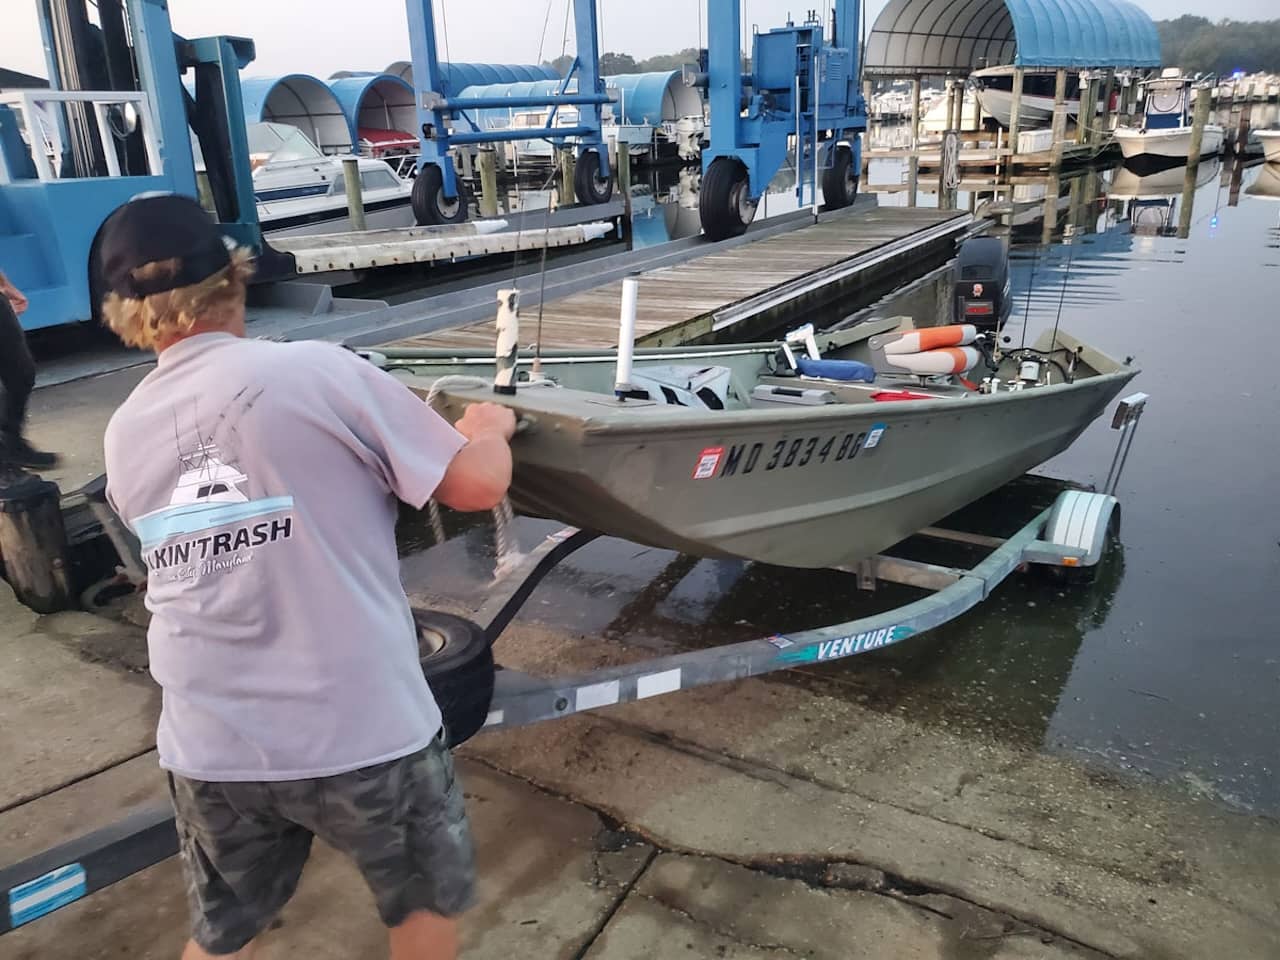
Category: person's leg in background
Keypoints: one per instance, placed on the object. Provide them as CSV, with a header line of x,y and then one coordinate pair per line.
x,y
17,378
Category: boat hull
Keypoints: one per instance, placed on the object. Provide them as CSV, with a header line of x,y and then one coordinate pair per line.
x,y
803,487
1034,111
1167,145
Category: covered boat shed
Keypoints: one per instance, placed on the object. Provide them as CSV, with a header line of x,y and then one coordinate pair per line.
x,y
376,104
301,101
952,38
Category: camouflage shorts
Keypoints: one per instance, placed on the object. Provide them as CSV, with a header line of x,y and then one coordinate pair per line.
x,y
244,844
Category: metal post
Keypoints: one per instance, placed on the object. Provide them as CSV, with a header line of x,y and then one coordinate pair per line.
x,y
355,194
487,162
624,186
1059,118
588,48
429,87
1015,110
724,70
915,113
913,179
813,108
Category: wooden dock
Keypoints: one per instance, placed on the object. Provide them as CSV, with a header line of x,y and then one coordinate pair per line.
x,y
747,289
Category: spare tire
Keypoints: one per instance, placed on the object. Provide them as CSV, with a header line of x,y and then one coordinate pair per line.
x,y
457,661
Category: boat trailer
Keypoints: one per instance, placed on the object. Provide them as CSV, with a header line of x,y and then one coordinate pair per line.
x,y
1073,534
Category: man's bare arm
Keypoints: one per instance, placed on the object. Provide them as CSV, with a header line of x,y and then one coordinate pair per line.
x,y
479,475
12,294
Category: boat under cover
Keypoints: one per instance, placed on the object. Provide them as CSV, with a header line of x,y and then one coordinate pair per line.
x,y
725,451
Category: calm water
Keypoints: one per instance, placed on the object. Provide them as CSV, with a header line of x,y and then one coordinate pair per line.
x,y
1170,664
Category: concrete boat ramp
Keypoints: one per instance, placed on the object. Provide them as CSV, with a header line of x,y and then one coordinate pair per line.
x,y
762,819
775,817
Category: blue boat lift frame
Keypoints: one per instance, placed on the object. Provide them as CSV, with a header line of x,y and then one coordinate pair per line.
x,y
1072,534
436,104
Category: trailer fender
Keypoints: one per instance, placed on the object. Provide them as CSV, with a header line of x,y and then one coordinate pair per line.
x,y
1083,521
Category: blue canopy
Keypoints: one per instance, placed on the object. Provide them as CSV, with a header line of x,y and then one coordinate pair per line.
x,y
641,99
379,101
302,101
958,36
459,76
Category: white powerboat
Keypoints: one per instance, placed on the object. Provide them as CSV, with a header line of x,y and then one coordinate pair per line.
x,y
995,92
1270,140
302,191
1165,135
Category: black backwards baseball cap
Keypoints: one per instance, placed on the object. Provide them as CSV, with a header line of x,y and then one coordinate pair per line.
x,y
156,228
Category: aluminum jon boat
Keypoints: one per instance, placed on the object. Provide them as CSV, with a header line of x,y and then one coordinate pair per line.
x,y
812,460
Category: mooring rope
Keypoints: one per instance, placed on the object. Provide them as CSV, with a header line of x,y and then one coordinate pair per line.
x,y
508,555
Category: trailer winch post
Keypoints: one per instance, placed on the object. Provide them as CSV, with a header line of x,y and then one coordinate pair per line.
x,y
1126,419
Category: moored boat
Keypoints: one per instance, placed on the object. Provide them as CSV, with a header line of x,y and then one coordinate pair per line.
x,y
1165,135
995,92
749,451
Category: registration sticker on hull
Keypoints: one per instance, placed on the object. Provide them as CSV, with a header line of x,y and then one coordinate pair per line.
x,y
708,463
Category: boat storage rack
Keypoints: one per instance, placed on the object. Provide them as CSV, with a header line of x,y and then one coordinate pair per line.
x,y
1073,534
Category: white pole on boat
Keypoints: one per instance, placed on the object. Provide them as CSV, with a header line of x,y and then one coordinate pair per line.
x,y
508,347
626,336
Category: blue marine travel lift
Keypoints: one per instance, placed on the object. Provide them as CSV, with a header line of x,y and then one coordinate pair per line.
x,y
803,85
118,122
1073,535
438,194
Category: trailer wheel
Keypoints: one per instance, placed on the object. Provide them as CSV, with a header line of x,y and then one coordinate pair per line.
x,y
725,206
840,180
590,187
458,664
430,207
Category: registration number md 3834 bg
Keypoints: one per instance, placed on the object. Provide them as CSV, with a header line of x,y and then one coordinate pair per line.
x,y
787,453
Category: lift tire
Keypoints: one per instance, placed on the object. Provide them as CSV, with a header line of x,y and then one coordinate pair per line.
x,y
587,183
724,203
457,661
840,180
430,208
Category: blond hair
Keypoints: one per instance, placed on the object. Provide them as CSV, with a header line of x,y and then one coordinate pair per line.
x,y
214,302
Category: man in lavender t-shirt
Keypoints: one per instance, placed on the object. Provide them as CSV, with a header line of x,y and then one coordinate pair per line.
x,y
263,480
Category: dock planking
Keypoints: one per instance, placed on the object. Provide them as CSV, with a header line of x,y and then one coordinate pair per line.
x,y
677,302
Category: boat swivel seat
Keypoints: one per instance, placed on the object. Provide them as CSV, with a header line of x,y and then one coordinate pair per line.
x,y
927,352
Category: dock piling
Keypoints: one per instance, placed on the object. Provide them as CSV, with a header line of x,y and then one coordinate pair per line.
x,y
355,195
1108,92
1059,118
566,177
1015,109
1198,121
915,113
487,162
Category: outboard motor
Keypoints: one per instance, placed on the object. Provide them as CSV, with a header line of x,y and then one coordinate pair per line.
x,y
982,283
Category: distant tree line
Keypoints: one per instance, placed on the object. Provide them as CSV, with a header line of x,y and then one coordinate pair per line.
x,y
1195,44
612,63
1198,45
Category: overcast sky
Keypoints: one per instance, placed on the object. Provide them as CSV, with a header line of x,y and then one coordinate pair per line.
x,y
503,31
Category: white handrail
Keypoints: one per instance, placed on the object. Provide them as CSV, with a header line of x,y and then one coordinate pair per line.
x,y
28,102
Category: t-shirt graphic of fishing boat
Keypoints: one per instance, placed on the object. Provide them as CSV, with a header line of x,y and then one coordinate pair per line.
x,y
207,495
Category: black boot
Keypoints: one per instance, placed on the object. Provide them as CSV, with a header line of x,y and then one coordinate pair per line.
x,y
15,451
